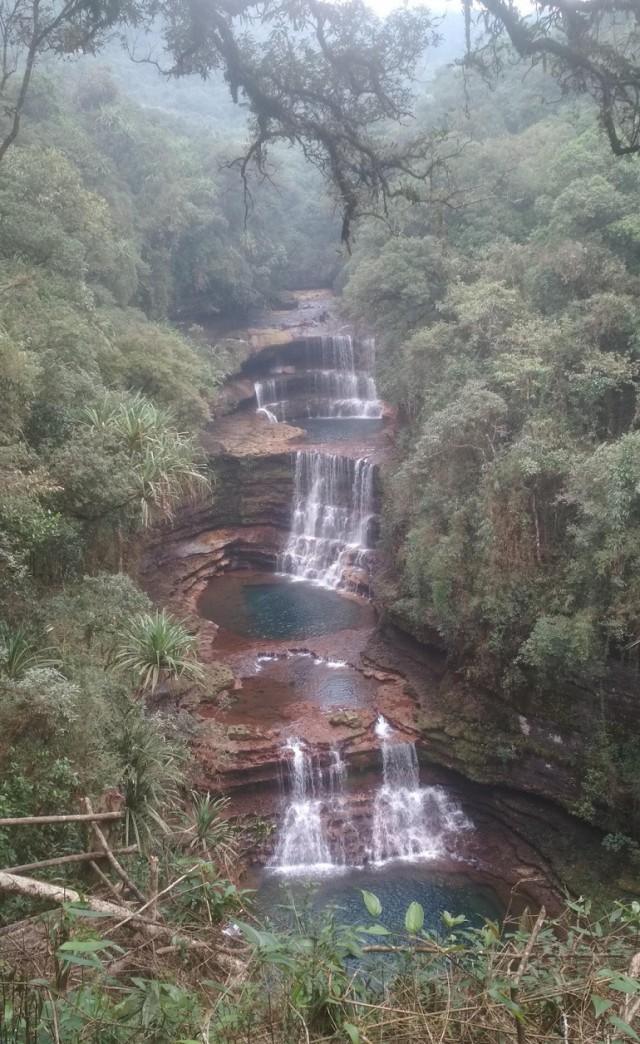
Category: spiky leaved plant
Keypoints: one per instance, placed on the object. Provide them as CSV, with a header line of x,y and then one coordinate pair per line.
x,y
151,771
154,645
207,833
18,655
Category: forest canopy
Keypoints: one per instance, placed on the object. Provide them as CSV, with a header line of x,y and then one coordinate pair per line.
x,y
334,79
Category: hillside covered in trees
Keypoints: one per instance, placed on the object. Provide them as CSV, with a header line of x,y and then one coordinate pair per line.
x,y
500,274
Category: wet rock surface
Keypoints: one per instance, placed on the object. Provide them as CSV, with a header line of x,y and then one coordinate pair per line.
x,y
329,690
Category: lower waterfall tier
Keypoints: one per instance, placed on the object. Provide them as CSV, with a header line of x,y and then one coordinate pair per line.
x,y
324,831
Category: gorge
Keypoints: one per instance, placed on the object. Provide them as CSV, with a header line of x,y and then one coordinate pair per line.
x,y
317,715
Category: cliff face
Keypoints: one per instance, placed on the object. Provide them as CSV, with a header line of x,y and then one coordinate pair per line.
x,y
556,745
252,491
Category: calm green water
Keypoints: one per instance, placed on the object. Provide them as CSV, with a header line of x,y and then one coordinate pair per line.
x,y
270,606
338,429
395,886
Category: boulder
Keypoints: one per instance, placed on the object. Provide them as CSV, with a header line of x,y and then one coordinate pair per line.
x,y
217,678
347,718
240,732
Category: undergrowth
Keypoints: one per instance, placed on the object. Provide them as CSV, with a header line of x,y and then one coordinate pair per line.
x,y
572,979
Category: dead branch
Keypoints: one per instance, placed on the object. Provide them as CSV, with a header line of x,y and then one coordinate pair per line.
x,y
120,871
514,992
153,887
79,857
106,882
79,818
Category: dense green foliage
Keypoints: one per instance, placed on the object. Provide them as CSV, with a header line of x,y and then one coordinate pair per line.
x,y
510,348
114,221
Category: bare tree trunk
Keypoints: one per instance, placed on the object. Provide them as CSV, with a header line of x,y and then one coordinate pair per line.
x,y
91,817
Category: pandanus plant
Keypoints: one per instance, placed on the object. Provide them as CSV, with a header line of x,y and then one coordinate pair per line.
x,y
165,465
207,834
157,645
18,654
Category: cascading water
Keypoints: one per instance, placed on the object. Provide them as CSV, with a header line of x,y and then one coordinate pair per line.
x,y
317,793
267,395
340,386
410,823
333,516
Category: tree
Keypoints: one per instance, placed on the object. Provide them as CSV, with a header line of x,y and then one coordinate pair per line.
x,y
31,28
329,78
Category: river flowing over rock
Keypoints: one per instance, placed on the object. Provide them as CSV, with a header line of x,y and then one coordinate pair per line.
x,y
320,729
336,382
410,823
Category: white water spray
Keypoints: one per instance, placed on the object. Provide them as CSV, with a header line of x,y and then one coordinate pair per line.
x,y
317,793
336,386
333,517
410,823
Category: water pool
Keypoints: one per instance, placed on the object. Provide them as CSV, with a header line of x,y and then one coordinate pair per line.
x,y
267,605
339,429
396,886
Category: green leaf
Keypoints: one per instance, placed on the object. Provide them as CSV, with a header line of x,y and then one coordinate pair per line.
x,y
498,995
624,984
376,929
372,903
450,921
414,918
83,962
89,946
250,933
600,1004
623,1026
352,1032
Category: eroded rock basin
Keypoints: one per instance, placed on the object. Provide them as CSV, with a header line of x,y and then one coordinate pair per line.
x,y
320,693
274,607
296,651
396,887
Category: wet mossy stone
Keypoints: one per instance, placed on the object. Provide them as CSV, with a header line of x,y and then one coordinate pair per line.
x,y
240,732
348,718
217,678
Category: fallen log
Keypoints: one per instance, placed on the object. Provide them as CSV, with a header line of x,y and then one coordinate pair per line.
x,y
79,857
80,817
15,884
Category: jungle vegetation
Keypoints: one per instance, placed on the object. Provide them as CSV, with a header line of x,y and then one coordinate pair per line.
x,y
507,316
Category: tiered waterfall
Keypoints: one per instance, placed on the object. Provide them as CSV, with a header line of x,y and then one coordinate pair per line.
x,y
410,823
333,377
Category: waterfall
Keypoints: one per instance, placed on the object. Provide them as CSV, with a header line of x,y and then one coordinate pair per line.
x,y
316,794
342,391
333,515
410,823
338,384
267,395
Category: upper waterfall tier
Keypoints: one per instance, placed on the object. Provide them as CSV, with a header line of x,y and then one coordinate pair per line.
x,y
328,378
333,517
